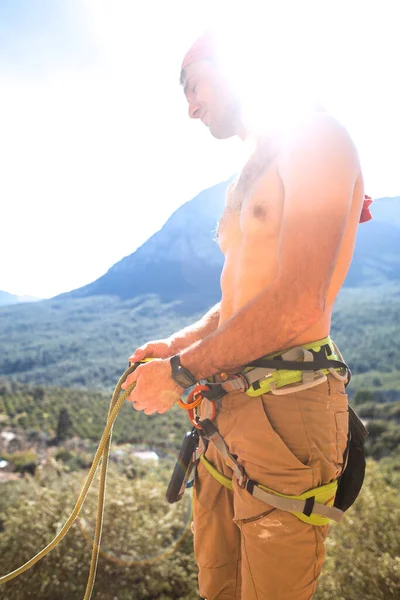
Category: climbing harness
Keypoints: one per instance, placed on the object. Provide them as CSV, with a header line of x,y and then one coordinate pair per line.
x,y
118,398
297,369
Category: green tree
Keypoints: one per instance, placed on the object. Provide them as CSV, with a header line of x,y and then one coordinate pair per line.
x,y
64,425
363,396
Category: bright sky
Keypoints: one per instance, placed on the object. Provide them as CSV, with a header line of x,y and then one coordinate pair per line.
x,y
96,147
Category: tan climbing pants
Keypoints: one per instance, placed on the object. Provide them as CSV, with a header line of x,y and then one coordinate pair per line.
x,y
244,548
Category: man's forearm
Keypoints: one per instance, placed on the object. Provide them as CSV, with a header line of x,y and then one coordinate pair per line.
x,y
199,330
264,325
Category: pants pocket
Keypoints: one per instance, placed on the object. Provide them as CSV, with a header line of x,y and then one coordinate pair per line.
x,y
342,427
286,424
269,458
216,537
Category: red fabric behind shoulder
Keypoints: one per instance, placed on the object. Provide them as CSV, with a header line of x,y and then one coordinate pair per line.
x,y
365,212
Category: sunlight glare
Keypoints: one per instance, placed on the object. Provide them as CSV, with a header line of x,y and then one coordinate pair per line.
x,y
286,59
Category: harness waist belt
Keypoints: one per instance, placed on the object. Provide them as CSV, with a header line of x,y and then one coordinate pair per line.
x,y
298,368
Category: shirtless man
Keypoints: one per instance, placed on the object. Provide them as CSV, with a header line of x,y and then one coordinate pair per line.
x,y
287,233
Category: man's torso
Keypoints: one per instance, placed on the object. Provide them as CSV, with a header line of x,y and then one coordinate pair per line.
x,y
249,237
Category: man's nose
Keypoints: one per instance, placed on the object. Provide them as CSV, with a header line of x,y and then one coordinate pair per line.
x,y
194,110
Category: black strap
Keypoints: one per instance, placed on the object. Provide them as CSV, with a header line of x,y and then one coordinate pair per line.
x,y
250,485
308,506
217,391
293,365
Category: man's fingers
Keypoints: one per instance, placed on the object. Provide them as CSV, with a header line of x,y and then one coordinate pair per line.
x,y
132,378
142,352
136,356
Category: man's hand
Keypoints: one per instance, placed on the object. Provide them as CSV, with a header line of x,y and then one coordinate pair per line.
x,y
155,391
156,349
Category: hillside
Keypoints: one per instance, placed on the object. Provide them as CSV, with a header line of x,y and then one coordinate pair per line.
x,y
35,410
85,342
82,342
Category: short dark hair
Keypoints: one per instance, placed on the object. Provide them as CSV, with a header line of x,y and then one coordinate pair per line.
x,y
182,77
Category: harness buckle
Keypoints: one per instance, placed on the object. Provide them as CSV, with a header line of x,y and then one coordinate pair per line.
x,y
235,382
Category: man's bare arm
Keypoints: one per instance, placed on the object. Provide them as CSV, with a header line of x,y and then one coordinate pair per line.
x,y
199,330
319,175
180,340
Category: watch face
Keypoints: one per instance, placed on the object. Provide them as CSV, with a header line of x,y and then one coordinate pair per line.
x,y
180,375
182,378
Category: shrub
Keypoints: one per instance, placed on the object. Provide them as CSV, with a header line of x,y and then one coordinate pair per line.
x,y
146,549
24,462
364,553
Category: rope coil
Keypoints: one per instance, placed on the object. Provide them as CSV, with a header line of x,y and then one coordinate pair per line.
x,y
102,452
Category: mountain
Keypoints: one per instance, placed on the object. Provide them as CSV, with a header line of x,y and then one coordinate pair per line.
x,y
181,262
376,258
387,210
6,298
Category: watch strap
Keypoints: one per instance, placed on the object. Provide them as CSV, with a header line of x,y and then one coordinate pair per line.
x,y
179,374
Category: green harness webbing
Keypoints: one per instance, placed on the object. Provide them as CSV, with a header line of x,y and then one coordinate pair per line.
x,y
277,376
320,499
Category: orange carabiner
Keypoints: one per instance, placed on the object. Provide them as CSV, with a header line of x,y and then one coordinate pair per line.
x,y
193,418
194,398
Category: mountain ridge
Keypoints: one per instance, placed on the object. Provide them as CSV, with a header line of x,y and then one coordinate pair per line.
x,y
183,260
6,298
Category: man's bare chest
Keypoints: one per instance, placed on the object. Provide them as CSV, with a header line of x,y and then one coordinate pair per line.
x,y
253,208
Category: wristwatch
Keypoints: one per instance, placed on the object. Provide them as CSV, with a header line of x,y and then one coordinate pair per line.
x,y
179,374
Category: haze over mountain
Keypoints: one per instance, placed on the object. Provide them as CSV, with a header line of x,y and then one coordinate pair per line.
x,y
7,298
183,262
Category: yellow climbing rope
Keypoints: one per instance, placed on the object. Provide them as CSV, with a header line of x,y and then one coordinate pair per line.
x,y
117,400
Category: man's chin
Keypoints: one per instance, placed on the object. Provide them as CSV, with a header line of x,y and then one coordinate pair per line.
x,y
220,134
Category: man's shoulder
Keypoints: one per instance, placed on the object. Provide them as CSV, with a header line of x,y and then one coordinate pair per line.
x,y
315,137
317,128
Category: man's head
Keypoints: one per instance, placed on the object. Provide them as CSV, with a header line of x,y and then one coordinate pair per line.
x,y
208,92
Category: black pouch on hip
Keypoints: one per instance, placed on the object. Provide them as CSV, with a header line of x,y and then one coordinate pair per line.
x,y
183,467
352,477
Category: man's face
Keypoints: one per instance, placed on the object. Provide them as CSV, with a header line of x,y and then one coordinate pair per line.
x,y
210,99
